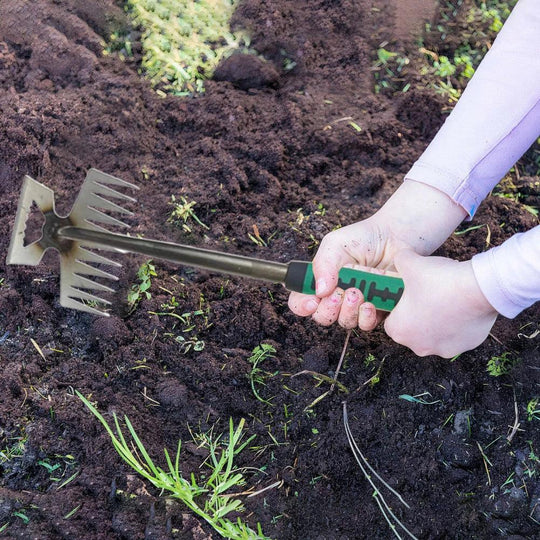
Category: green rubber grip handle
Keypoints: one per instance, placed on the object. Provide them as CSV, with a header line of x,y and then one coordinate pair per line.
x,y
382,291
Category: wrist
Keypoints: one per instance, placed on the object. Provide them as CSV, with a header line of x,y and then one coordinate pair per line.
x,y
469,287
421,216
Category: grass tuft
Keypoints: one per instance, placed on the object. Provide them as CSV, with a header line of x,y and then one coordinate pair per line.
x,y
183,41
208,497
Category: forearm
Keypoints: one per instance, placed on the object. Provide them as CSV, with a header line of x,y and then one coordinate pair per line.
x,y
496,119
509,274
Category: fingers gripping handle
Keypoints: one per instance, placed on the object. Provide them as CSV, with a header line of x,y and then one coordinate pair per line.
x,y
382,291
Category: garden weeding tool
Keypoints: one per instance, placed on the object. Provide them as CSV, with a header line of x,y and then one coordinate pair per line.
x,y
76,235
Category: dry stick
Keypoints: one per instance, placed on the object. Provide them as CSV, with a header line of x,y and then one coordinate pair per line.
x,y
486,461
343,351
516,425
377,495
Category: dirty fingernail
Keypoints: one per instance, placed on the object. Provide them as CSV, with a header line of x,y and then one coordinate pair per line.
x,y
352,298
311,305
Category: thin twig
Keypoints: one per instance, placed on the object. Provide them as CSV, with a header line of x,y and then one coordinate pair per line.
x,y
343,351
250,492
486,461
516,425
496,338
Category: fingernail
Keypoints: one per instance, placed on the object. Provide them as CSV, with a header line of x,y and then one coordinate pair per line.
x,y
352,298
337,296
321,287
311,305
366,310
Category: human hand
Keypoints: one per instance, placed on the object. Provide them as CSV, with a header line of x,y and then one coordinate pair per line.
x,y
417,216
442,310
367,245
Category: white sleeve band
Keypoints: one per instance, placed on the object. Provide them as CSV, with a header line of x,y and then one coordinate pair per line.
x,y
509,274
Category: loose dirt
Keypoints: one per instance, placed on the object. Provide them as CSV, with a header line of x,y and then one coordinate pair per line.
x,y
268,146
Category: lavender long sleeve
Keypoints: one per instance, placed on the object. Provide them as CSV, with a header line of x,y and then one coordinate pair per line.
x,y
492,125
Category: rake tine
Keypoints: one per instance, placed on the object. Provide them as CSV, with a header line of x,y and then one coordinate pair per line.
x,y
94,215
101,189
90,256
105,204
77,294
81,282
84,269
73,303
99,177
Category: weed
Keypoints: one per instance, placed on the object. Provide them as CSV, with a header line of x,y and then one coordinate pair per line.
x,y
257,376
13,450
144,276
183,213
533,409
371,476
369,360
452,69
419,399
190,320
71,513
510,189
119,42
389,70
183,41
501,365
171,305
22,515
188,343
256,238
206,497
369,363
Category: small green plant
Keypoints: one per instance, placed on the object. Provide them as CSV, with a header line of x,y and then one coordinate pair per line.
x,y
206,497
191,321
388,71
369,362
257,376
13,450
183,41
450,64
501,365
419,398
144,281
507,189
533,409
188,343
183,212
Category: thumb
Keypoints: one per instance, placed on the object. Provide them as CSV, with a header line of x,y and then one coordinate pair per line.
x,y
328,261
409,265
397,324
407,262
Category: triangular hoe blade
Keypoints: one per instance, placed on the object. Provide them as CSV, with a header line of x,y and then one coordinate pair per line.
x,y
31,192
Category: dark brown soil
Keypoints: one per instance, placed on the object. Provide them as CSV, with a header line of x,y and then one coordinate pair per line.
x,y
265,147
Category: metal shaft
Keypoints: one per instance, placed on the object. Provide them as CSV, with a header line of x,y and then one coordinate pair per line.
x,y
191,256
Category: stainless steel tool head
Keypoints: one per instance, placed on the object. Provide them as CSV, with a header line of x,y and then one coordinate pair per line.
x,y
78,268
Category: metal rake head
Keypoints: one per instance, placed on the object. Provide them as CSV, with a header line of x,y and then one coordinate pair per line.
x,y
77,261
